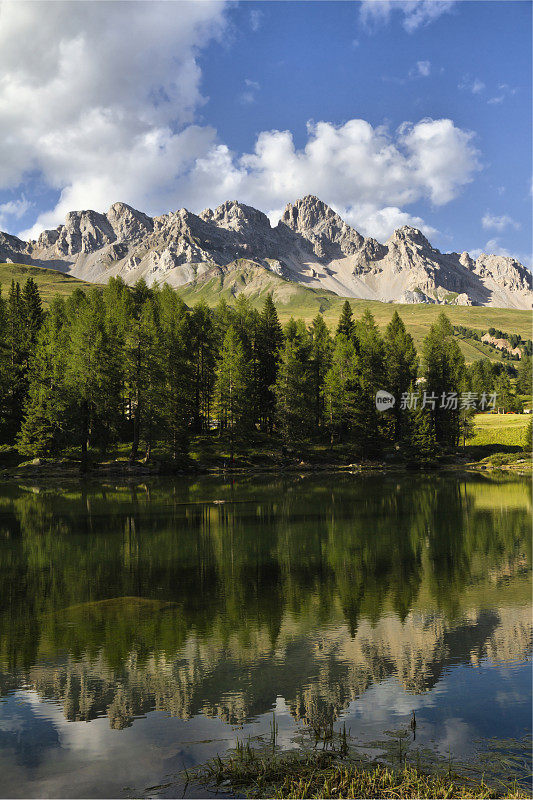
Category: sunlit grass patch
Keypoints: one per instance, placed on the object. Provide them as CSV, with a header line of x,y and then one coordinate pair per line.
x,y
317,775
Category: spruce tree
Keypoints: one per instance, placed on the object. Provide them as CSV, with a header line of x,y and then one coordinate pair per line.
x,y
270,341
342,391
372,377
421,435
444,370
346,324
143,370
294,390
5,371
178,387
204,344
91,380
401,366
321,351
32,311
524,376
232,386
47,418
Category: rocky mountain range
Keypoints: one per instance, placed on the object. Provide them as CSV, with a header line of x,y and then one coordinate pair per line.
x,y
310,245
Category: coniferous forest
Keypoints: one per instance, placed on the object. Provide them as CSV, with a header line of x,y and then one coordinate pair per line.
x,y
136,367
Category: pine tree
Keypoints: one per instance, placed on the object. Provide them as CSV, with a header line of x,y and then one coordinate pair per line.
x,y
321,351
372,377
47,413
269,341
177,391
401,366
444,370
32,310
524,376
143,368
342,391
346,324
204,346
294,390
91,380
421,435
233,386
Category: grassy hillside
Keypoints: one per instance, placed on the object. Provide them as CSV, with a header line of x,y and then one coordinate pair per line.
x,y
295,300
49,281
501,429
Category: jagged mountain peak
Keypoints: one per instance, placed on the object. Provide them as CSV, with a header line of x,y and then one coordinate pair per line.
x,y
236,216
311,245
409,234
308,212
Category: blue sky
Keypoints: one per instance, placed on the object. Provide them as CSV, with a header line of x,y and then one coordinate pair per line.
x,y
393,112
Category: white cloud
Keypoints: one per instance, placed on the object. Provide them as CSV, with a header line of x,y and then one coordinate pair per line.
x,y
101,110
490,221
415,13
256,18
14,210
504,91
424,68
380,223
249,95
494,247
474,85
106,112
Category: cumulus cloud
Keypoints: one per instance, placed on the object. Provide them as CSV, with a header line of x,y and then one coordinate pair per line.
x,y
492,222
106,106
365,173
414,13
494,247
13,210
109,111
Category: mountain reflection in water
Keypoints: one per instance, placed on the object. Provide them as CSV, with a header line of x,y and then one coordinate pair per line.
x,y
118,601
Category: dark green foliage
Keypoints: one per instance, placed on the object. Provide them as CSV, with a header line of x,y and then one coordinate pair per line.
x,y
343,393
269,342
233,386
401,365
294,388
321,351
136,366
421,435
346,324
523,380
444,373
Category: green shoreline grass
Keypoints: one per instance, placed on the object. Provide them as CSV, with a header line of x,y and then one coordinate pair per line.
x,y
317,775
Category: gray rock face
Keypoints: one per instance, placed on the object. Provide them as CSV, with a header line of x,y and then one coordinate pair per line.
x,y
311,245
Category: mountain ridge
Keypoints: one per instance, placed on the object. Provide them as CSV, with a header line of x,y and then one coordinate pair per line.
x,y
311,245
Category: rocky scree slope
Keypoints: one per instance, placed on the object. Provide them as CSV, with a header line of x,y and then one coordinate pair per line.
x,y
310,245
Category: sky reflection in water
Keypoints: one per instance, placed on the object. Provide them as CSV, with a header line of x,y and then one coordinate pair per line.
x,y
143,629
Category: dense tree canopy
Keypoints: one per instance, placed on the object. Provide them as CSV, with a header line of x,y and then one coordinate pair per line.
x,y
135,366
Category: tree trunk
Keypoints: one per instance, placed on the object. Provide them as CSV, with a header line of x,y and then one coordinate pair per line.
x,y
84,435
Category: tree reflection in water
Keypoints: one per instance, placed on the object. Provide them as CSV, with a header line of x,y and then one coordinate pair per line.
x,y
120,600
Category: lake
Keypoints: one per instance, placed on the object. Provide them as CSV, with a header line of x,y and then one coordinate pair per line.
x,y
145,628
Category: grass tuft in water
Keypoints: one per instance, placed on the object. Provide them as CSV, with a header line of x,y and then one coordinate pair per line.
x,y
323,774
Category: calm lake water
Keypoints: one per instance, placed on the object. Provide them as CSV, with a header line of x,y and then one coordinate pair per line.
x,y
145,629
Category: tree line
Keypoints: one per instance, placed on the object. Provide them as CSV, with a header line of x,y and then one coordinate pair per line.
x,y
135,365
